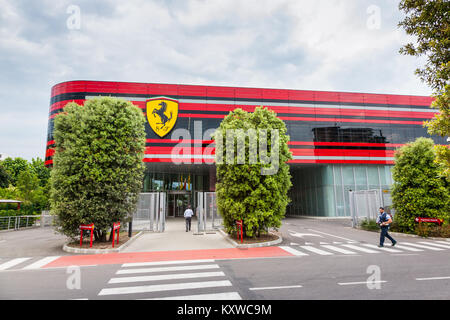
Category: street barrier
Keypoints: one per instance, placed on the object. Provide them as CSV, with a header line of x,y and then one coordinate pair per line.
x,y
239,231
116,228
89,227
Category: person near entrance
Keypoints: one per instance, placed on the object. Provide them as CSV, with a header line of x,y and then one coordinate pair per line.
x,y
384,220
188,216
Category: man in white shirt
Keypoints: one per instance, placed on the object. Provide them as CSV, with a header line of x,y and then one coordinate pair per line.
x,y
188,216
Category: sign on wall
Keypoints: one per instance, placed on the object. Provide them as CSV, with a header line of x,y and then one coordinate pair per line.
x,y
162,114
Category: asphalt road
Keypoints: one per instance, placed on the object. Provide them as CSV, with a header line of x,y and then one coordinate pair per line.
x,y
417,273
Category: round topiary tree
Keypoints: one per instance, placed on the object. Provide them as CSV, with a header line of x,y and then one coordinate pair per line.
x,y
253,176
419,190
97,166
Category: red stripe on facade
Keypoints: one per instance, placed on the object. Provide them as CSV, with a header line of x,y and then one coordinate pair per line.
x,y
308,110
192,141
343,161
236,92
279,109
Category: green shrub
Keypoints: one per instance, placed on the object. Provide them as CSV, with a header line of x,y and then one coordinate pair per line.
x,y
432,230
97,166
418,190
9,212
245,191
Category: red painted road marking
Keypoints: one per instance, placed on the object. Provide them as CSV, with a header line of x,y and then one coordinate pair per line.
x,y
120,258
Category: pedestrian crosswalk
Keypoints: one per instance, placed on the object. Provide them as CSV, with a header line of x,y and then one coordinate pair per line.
x,y
170,280
354,248
187,269
27,263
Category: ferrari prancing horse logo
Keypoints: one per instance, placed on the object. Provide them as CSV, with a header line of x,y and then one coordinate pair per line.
x,y
162,114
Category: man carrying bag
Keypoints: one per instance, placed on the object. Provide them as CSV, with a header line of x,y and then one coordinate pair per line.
x,y
384,220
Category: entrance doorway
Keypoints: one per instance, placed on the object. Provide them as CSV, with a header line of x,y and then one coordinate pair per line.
x,y
178,202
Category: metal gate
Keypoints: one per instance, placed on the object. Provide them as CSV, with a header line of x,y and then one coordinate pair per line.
x,y
364,204
151,212
208,218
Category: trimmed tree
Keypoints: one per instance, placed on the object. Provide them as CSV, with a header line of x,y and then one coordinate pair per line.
x,y
418,190
97,166
250,187
427,21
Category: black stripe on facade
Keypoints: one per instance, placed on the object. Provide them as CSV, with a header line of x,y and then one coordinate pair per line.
x,y
301,115
82,95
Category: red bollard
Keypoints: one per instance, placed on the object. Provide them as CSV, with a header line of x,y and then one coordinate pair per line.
x,y
239,224
116,226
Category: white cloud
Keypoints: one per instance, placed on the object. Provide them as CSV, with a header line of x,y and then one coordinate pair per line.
x,y
316,45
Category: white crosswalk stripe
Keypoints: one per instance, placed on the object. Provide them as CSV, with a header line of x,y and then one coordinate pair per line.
x,y
435,244
40,263
167,281
165,287
295,252
316,250
443,242
365,250
381,248
211,296
12,263
168,269
337,249
162,263
422,246
408,248
167,277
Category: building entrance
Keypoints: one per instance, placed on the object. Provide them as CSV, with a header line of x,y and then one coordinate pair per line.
x,y
178,202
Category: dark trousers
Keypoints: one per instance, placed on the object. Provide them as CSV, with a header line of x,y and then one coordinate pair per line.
x,y
188,224
384,233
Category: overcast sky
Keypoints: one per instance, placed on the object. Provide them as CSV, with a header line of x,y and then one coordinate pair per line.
x,y
337,45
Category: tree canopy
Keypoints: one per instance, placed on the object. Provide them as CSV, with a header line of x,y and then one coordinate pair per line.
x,y
428,21
418,189
97,166
250,187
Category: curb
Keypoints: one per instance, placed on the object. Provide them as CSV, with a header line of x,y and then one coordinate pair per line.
x,y
250,245
66,248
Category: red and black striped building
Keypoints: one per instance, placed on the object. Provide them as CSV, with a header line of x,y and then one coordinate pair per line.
x,y
340,141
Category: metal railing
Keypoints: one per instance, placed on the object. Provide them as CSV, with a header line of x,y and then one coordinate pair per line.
x,y
364,204
20,222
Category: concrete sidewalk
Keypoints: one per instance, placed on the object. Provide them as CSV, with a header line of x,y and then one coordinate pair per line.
x,y
175,237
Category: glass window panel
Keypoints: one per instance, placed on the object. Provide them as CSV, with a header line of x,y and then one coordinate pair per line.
x,y
339,201
328,201
383,180
320,202
337,175
327,176
347,175
388,174
360,176
347,201
372,174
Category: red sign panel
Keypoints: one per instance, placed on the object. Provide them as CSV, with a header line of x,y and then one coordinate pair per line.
x,y
431,220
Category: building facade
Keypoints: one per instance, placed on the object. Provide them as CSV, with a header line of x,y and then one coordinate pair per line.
x,y
340,141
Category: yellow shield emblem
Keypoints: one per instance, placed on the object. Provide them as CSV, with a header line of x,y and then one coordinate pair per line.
x,y
162,114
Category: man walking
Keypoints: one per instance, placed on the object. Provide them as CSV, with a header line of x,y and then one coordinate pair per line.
x,y
188,216
384,220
